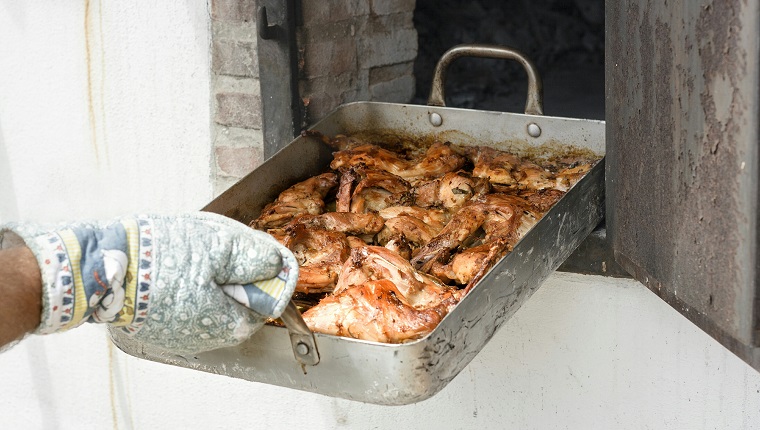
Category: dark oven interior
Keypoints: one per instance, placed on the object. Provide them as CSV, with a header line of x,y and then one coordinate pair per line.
x,y
565,38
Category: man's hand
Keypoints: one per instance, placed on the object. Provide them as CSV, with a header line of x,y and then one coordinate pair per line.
x,y
20,295
160,279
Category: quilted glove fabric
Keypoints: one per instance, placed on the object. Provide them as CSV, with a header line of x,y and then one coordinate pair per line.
x,y
187,283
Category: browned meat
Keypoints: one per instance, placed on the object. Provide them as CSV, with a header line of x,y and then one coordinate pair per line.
x,y
505,169
450,191
468,266
320,255
543,200
531,176
461,227
305,197
348,176
380,297
377,190
364,189
437,222
440,158
356,242
497,215
414,226
375,262
344,222
374,311
567,177
371,156
436,217
492,164
400,246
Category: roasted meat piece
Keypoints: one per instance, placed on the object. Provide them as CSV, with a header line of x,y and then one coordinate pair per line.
x,y
496,214
468,266
542,200
344,222
412,231
375,311
567,177
380,297
506,169
320,255
492,164
410,225
363,189
305,197
440,158
451,191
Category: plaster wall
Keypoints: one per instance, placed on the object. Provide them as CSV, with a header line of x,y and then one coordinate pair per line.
x,y
104,108
584,352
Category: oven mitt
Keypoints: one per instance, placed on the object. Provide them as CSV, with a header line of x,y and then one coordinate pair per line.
x,y
174,282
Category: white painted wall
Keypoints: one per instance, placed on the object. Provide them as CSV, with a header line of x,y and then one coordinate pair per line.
x,y
584,352
104,115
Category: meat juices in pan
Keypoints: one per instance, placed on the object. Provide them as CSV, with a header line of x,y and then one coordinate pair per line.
x,y
414,229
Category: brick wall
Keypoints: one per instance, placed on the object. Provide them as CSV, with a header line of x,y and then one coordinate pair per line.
x,y
348,51
355,50
236,102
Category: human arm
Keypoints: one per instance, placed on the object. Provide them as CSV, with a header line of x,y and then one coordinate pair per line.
x,y
20,294
176,282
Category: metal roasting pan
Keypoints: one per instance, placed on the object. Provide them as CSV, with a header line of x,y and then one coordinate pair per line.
x,y
398,374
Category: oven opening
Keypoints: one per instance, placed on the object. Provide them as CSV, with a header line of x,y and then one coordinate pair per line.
x,y
564,38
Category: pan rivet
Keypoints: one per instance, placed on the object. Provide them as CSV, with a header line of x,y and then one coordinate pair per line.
x,y
534,130
435,119
302,348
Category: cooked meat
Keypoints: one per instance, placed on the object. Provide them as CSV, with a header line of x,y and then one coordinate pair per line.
x,y
374,311
492,164
412,231
363,189
371,156
344,222
505,169
531,176
440,158
320,255
468,266
567,177
305,197
543,200
380,297
414,226
450,191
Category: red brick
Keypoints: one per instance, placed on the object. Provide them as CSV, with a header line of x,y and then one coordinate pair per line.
x,y
238,110
237,162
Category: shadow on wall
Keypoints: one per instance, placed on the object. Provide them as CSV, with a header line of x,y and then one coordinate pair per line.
x,y
8,201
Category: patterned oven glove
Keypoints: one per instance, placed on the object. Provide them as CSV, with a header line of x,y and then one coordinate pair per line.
x,y
173,282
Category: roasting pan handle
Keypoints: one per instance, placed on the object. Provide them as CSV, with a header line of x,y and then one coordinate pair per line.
x,y
534,104
301,338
